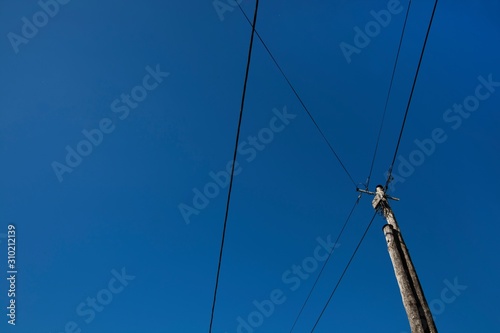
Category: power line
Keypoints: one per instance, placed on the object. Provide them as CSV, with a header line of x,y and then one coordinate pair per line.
x,y
388,95
395,153
343,273
389,176
326,261
232,167
299,99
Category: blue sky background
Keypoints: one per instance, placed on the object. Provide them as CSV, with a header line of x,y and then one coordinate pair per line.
x,y
119,207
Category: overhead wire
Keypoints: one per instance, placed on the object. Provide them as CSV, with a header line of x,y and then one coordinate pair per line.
x,y
343,273
394,158
389,175
254,31
387,98
233,165
300,100
326,261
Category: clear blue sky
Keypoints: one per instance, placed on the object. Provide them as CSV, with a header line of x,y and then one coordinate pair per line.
x,y
115,212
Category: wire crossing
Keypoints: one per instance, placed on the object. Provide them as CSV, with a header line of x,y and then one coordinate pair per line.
x,y
387,98
343,273
326,261
389,176
299,99
232,167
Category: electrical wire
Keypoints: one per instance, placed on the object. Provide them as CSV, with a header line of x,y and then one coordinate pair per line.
x,y
389,176
232,167
326,261
387,98
394,158
299,99
343,273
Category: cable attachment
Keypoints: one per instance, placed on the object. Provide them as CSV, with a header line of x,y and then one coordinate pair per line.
x,y
390,178
379,196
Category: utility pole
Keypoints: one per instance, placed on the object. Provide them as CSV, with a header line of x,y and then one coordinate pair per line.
x,y
417,309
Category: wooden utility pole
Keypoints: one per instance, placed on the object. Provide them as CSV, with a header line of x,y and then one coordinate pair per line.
x,y
417,309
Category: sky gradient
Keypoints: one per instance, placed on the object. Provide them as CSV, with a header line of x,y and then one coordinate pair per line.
x,y
115,117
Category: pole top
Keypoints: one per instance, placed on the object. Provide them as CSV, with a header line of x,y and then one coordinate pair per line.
x,y
379,190
379,195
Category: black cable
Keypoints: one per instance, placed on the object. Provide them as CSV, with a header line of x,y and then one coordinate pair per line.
x,y
232,167
299,99
387,98
343,273
389,176
326,261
